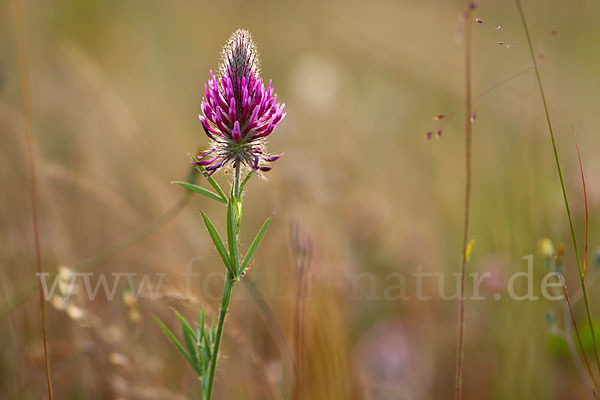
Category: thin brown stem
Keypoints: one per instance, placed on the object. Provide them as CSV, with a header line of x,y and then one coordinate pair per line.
x,y
585,200
568,338
487,91
592,382
105,254
301,250
562,183
298,331
468,172
270,321
27,131
503,81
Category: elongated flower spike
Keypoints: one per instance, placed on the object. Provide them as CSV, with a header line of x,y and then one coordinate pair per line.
x,y
238,112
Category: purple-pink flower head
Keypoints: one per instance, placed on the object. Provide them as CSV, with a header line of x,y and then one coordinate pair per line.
x,y
238,111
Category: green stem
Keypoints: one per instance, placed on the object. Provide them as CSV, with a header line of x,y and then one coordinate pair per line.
x,y
227,289
562,183
236,181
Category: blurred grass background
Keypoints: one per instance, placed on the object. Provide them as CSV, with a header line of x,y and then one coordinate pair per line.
x,y
116,89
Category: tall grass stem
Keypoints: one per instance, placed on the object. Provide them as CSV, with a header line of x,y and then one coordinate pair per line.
x,y
593,383
27,128
468,173
562,183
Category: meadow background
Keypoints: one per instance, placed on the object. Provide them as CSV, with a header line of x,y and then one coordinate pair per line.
x,y
116,89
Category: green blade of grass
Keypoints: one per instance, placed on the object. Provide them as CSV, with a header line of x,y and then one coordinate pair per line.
x,y
214,235
561,179
200,325
191,347
201,190
177,344
255,244
213,183
188,333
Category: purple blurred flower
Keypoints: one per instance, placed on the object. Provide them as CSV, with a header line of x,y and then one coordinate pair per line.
x,y
238,112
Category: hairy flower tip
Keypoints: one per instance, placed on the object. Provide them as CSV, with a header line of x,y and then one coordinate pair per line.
x,y
240,54
238,111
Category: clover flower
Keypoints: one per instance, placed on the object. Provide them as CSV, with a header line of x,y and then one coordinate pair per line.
x,y
238,112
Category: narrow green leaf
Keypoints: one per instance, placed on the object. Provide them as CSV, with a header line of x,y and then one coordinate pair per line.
x,y
185,324
191,346
218,243
201,190
207,346
246,179
232,232
255,244
200,325
190,338
177,344
213,183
